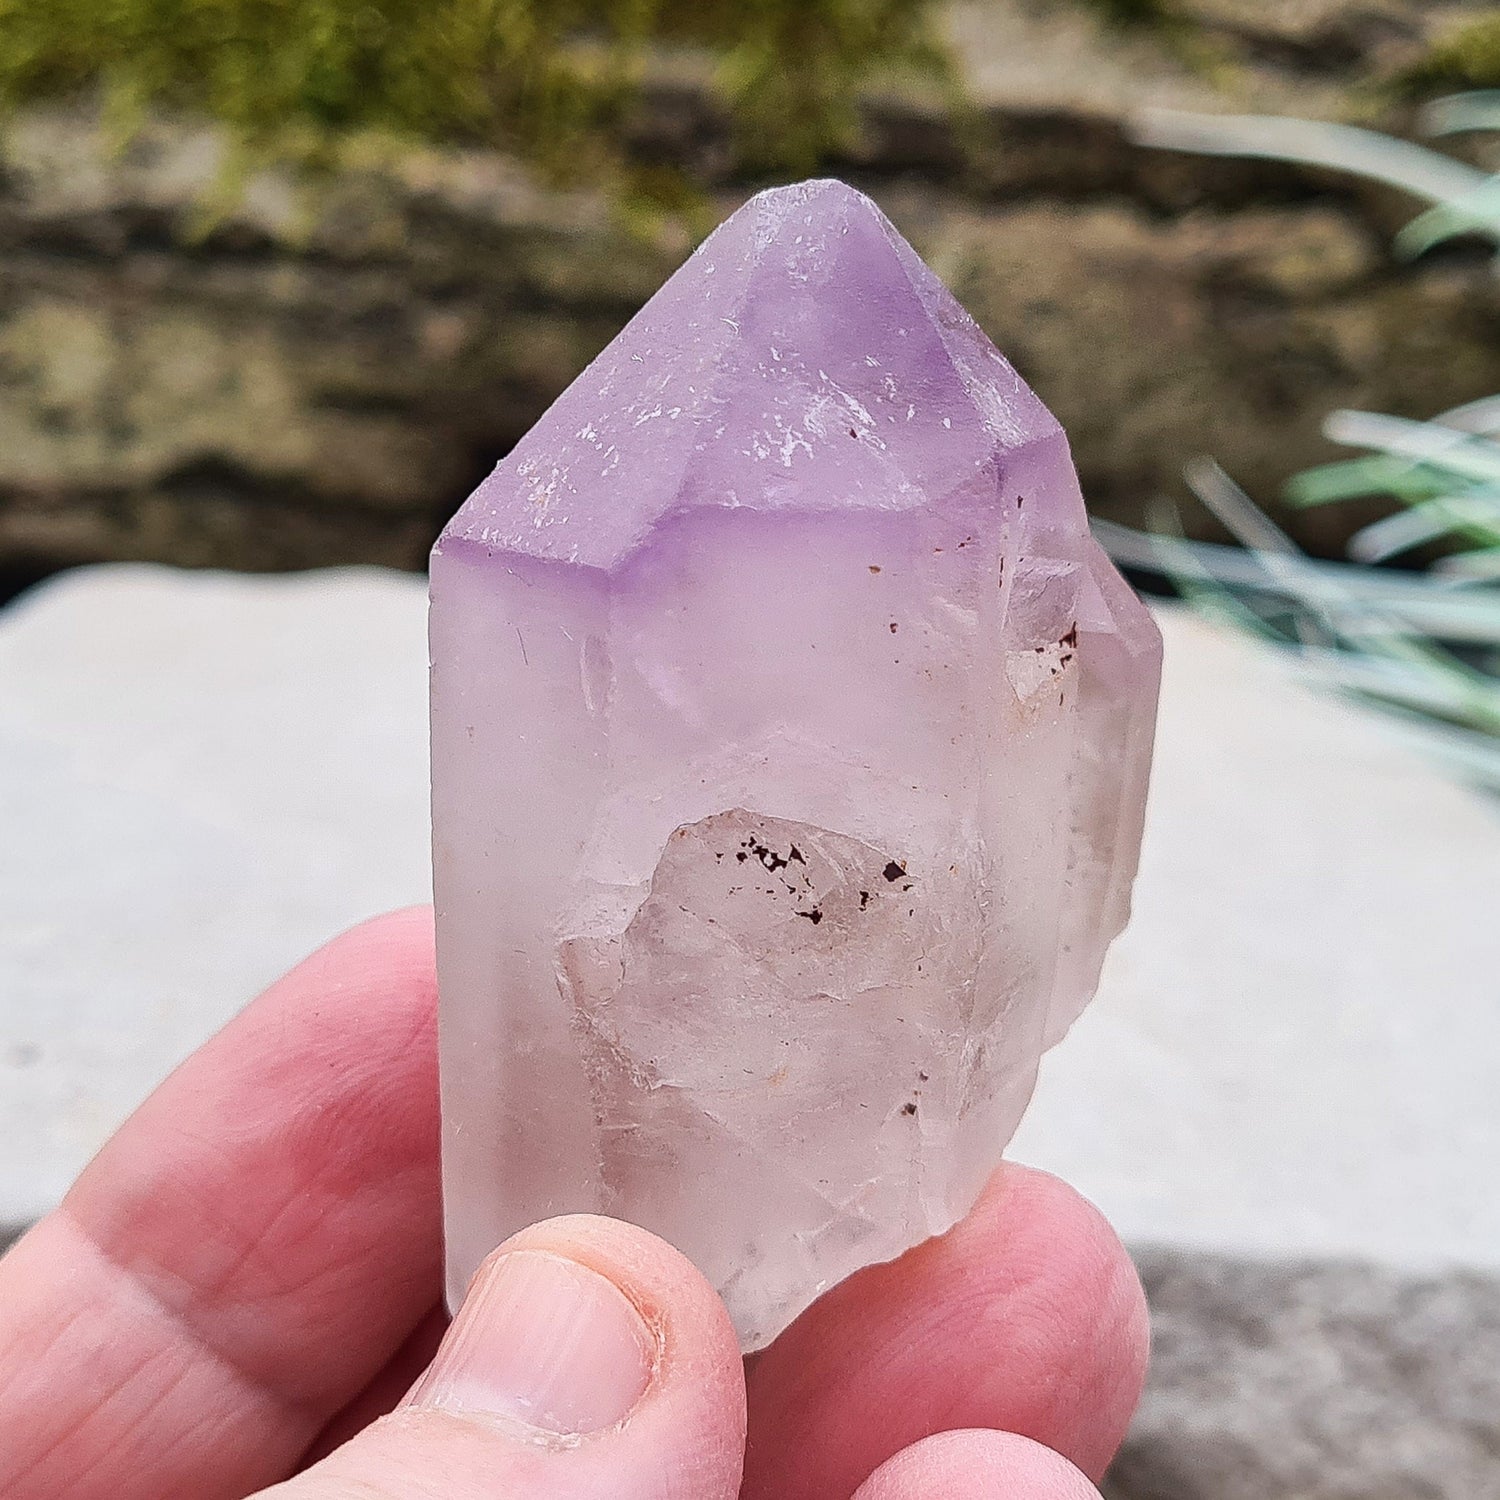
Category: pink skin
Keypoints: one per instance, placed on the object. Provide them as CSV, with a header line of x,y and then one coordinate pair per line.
x,y
245,1282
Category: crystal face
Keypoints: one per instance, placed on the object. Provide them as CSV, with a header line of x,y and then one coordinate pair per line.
x,y
790,747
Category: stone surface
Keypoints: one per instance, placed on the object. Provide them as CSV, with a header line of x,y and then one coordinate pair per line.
x,y
790,746
1244,1081
1334,1381
1331,1381
201,777
1293,1051
322,382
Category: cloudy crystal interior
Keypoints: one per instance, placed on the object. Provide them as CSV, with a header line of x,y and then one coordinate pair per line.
x,y
790,745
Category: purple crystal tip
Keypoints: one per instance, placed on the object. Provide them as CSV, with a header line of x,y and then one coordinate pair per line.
x,y
803,357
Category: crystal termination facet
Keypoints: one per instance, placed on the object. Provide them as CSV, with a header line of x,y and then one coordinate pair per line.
x,y
790,747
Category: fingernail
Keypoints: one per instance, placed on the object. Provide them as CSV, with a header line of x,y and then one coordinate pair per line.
x,y
545,1341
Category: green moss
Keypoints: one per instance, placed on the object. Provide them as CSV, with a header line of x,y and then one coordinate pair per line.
x,y
548,78
1467,57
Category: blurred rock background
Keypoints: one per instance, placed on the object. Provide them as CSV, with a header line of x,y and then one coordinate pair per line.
x,y
300,370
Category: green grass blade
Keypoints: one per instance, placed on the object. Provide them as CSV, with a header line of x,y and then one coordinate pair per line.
x,y
1477,110
1377,474
1401,164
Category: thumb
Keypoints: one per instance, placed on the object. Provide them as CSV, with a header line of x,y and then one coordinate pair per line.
x,y
589,1361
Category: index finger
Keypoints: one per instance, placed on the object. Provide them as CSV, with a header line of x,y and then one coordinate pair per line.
x,y
246,1253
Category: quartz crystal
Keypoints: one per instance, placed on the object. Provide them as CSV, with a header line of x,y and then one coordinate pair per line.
x,y
790,742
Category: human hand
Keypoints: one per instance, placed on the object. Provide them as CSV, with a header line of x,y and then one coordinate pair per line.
x,y
242,1290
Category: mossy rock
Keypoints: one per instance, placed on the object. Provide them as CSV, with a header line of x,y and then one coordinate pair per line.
x,y
313,377
319,81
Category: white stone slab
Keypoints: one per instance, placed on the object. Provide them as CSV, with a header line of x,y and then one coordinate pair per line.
x,y
201,777
1298,1045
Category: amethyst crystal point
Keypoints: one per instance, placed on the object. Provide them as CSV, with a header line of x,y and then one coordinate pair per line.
x,y
790,744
